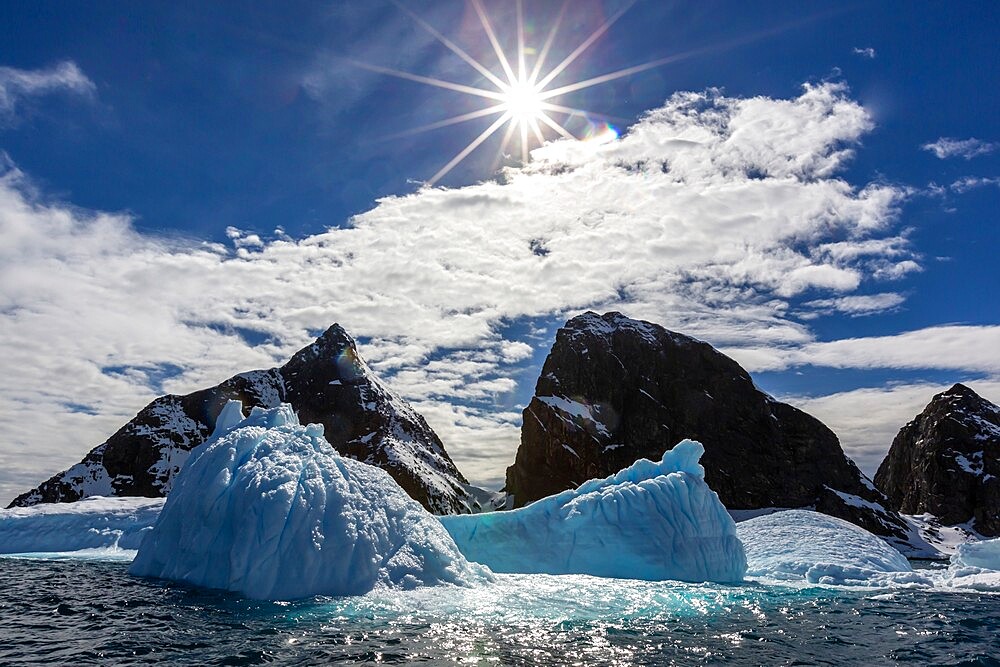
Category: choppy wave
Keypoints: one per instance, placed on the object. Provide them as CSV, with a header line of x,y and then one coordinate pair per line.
x,y
56,611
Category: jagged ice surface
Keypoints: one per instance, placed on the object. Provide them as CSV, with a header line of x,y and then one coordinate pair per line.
x,y
267,508
652,520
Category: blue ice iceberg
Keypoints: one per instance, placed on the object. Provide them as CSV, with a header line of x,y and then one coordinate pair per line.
x,y
267,508
652,520
111,524
806,546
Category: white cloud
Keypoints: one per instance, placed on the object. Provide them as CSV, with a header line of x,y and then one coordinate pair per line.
x,y
866,420
951,347
946,147
963,185
709,216
18,84
857,305
864,52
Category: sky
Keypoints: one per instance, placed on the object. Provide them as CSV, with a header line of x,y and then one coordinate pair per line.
x,y
191,190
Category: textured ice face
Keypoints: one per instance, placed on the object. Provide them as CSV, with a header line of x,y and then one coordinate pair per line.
x,y
267,508
652,520
801,545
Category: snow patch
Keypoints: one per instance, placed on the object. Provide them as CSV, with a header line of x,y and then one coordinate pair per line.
x,y
575,410
972,465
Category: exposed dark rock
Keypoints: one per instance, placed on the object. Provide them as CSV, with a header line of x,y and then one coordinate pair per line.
x,y
946,462
614,389
326,382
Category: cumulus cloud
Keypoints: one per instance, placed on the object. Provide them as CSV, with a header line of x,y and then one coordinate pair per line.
x,y
946,147
18,84
864,52
713,215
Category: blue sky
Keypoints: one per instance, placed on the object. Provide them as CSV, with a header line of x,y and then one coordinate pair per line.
x,y
171,171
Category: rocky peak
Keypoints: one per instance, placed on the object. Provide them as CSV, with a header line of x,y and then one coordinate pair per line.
x,y
946,462
326,382
964,401
334,350
614,389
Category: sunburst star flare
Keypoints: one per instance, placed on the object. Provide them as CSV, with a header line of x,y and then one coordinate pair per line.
x,y
522,96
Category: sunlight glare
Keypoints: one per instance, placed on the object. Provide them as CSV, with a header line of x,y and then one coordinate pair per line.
x,y
523,102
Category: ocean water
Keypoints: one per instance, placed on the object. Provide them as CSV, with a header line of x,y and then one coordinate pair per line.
x,y
91,612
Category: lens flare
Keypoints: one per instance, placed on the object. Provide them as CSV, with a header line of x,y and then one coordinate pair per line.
x,y
523,97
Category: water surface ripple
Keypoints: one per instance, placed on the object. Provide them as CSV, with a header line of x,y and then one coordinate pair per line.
x,y
93,613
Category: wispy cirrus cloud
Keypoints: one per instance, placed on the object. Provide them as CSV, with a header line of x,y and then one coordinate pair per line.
x,y
713,215
864,52
947,147
856,305
17,85
963,185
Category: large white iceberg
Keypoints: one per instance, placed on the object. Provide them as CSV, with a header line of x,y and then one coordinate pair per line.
x,y
801,545
93,523
652,520
267,508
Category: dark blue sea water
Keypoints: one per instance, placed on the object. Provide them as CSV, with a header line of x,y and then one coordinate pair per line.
x,y
93,613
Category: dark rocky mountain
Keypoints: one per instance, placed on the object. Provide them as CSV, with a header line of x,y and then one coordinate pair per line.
x,y
614,389
946,462
326,383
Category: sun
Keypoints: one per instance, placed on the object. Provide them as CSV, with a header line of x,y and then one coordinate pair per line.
x,y
522,98
524,103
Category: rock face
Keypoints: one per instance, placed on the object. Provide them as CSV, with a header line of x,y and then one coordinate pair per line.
x,y
614,389
326,383
946,462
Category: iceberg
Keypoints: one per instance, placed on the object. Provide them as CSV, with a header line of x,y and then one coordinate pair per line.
x,y
652,520
983,555
802,545
975,566
267,508
94,523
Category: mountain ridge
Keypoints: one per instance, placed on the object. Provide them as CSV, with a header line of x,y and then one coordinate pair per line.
x,y
327,382
614,389
946,462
